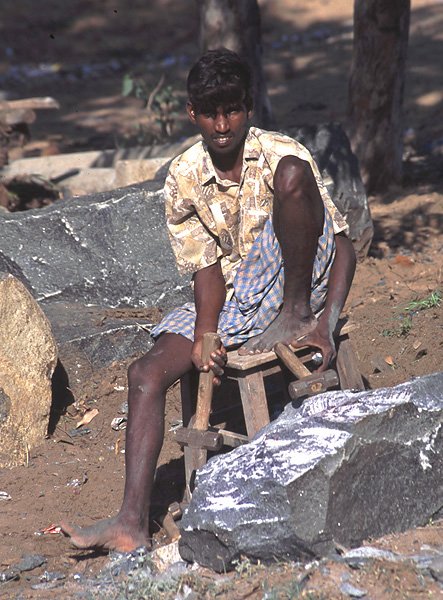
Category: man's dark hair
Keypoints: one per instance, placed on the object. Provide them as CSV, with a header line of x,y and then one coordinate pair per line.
x,y
219,78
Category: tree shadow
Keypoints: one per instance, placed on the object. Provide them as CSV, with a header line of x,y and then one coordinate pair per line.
x,y
411,235
307,68
82,36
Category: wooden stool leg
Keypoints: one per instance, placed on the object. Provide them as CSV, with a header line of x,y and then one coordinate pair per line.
x,y
253,397
347,367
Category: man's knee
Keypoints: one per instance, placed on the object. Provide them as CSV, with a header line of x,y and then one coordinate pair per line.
x,y
292,173
142,377
136,376
294,179
296,190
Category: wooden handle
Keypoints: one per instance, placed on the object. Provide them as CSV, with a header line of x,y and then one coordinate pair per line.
x,y
291,361
211,342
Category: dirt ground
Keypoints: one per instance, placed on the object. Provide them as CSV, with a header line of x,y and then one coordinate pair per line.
x,y
78,52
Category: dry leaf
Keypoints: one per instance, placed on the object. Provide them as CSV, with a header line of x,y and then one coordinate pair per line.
x,y
405,261
49,529
87,417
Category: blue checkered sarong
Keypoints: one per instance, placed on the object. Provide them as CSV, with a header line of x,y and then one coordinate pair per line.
x,y
258,290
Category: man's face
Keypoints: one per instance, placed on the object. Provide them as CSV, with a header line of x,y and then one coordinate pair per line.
x,y
224,130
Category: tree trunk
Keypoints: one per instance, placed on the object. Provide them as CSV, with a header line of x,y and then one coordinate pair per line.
x,y
375,101
236,26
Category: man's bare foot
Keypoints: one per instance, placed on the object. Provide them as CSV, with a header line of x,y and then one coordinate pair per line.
x,y
108,534
285,328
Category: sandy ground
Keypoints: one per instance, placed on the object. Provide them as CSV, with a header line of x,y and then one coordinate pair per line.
x,y
307,51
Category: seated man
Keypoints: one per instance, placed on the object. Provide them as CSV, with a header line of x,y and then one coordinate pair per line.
x,y
249,216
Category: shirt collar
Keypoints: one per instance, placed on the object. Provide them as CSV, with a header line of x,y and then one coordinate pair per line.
x,y
251,151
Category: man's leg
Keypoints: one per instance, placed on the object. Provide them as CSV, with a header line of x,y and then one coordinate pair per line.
x,y
148,380
298,215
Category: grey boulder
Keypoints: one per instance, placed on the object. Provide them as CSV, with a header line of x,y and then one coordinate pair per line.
x,y
109,249
99,336
343,468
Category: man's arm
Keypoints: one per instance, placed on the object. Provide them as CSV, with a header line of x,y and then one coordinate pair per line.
x,y
340,280
209,295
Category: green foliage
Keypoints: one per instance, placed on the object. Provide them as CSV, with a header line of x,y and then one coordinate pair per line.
x,y
405,326
433,300
293,590
127,85
136,86
153,589
388,332
244,567
137,588
401,330
161,104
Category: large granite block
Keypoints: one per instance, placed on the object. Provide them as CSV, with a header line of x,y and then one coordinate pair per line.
x,y
109,249
343,468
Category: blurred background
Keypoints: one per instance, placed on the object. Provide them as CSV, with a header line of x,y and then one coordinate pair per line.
x,y
88,53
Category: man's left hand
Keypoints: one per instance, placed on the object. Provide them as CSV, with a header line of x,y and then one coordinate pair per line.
x,y
322,339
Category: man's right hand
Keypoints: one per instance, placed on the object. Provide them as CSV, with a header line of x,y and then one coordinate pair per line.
x,y
216,363
209,295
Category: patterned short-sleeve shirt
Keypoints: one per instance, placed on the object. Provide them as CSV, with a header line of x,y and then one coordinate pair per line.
x,y
210,218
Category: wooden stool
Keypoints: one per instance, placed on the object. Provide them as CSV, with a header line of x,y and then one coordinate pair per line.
x,y
249,373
